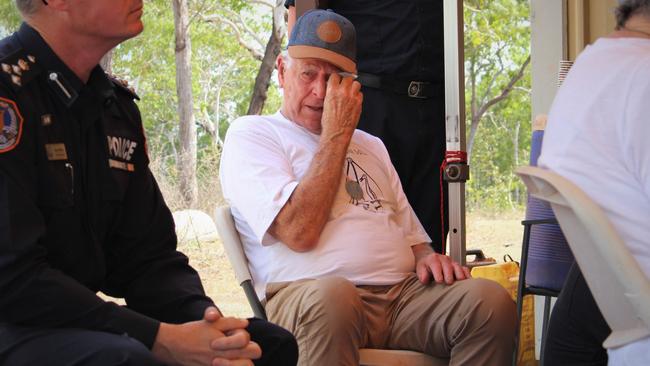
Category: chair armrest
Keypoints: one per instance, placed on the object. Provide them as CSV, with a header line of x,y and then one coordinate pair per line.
x,y
539,221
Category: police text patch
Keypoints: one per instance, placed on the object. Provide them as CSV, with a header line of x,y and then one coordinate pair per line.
x,y
11,122
121,148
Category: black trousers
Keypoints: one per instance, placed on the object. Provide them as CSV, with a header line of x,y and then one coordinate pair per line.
x,y
67,347
577,329
413,131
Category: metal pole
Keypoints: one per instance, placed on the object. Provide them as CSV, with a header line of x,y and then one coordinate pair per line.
x,y
455,124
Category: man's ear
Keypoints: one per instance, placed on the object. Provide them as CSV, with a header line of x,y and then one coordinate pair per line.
x,y
282,68
47,11
58,4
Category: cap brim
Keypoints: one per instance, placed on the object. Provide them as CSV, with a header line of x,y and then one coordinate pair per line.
x,y
342,62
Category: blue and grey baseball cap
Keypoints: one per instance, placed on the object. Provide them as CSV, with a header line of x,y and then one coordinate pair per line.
x,y
327,36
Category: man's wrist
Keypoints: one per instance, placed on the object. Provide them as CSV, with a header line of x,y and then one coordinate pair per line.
x,y
340,136
421,251
161,346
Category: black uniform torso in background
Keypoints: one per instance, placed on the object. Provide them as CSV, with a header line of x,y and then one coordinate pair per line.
x,y
397,38
399,41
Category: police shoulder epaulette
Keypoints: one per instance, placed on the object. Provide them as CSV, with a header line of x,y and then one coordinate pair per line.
x,y
19,68
123,85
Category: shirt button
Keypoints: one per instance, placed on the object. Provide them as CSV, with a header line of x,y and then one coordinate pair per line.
x,y
108,102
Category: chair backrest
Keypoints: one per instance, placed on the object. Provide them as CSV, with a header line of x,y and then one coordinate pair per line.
x,y
235,252
393,357
619,286
549,257
232,243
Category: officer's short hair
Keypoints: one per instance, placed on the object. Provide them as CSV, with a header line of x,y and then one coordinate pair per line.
x,y
28,7
628,8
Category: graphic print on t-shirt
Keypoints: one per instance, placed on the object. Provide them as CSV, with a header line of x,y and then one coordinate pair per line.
x,y
361,187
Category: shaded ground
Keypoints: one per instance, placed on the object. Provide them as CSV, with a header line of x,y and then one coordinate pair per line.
x,y
497,235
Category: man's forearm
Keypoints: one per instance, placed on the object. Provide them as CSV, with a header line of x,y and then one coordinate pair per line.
x,y
302,219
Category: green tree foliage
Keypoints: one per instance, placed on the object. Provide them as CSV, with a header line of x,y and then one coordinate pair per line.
x,y
223,76
497,38
9,17
497,44
222,70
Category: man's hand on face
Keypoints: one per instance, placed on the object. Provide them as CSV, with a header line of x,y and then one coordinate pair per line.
x,y
442,268
342,107
215,340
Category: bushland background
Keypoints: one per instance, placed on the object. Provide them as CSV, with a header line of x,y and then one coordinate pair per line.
x,y
200,64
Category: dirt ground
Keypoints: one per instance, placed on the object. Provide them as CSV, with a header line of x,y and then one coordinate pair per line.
x,y
496,235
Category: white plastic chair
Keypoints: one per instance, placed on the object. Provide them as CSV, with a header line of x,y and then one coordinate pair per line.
x,y
618,285
233,247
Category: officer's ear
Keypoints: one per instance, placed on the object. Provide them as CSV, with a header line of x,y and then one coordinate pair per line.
x,y
59,5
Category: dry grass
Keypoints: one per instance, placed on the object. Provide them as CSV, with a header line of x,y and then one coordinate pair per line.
x,y
210,260
495,234
207,180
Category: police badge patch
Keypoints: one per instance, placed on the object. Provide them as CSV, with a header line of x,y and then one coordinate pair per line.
x,y
11,123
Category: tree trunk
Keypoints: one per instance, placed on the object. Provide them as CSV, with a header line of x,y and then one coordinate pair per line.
x,y
478,113
473,129
187,128
273,48
515,144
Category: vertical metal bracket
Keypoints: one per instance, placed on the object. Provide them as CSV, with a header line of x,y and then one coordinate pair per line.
x,y
455,120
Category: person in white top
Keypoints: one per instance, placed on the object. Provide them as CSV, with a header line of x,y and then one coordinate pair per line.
x,y
596,137
334,247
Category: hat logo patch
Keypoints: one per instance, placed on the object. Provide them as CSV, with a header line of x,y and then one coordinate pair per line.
x,y
329,31
11,123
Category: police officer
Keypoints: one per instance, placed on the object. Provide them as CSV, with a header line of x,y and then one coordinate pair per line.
x,y
400,57
80,212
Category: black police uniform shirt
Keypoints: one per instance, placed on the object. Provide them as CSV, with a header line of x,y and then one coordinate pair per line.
x,y
403,39
79,208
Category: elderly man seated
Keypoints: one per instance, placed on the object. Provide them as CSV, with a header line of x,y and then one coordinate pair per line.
x,y
334,245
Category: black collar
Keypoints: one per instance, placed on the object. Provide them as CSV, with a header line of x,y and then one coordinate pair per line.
x,y
34,44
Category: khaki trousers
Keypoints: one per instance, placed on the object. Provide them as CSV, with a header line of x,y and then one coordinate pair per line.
x,y
472,322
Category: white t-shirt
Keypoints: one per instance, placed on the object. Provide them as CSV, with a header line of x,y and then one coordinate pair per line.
x,y
598,131
367,238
